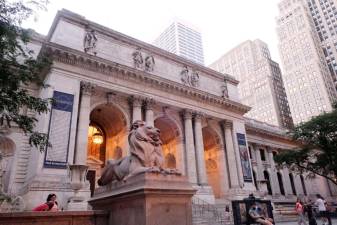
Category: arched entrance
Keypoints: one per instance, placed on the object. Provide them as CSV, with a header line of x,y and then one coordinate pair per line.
x,y
211,148
170,137
107,139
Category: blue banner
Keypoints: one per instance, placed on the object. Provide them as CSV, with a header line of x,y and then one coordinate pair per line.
x,y
59,130
244,157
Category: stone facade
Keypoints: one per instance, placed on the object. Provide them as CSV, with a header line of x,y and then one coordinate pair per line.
x,y
102,84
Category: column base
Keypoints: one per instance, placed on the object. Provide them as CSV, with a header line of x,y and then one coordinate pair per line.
x,y
205,193
77,206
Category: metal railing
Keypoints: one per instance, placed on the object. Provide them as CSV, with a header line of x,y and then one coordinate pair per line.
x,y
207,212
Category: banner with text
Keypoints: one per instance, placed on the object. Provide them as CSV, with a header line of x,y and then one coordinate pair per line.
x,y
59,130
244,157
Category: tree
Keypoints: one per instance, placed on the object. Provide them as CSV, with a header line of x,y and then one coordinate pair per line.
x,y
20,70
317,153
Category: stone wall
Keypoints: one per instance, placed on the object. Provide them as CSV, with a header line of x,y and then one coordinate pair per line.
x,y
55,218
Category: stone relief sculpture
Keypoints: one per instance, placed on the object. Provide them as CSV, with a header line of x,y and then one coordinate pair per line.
x,y
224,89
149,63
194,79
89,42
190,79
184,75
138,59
145,156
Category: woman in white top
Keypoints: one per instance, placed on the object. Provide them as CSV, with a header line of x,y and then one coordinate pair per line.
x,y
320,203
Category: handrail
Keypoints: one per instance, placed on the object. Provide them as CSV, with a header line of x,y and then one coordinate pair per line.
x,y
202,208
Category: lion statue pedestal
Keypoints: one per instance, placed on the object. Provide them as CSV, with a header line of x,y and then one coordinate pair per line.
x,y
137,190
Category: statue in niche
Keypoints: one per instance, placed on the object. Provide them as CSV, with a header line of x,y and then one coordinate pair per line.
x,y
145,156
185,75
194,79
224,89
149,63
138,59
89,42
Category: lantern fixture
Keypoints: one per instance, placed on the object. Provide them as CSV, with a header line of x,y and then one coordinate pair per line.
x,y
97,138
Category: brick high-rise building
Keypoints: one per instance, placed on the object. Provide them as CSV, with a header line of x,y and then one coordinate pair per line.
x,y
261,85
306,75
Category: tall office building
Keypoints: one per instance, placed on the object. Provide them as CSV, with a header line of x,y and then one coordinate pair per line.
x,y
183,40
324,15
261,85
308,81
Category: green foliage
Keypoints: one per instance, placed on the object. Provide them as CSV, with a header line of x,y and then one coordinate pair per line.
x,y
19,70
318,151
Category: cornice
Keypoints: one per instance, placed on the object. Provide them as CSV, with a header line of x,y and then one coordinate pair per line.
x,y
80,59
266,132
81,20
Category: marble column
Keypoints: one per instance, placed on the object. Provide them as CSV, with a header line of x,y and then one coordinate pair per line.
x,y
259,175
137,103
149,112
189,148
87,89
199,150
286,181
230,150
238,160
275,186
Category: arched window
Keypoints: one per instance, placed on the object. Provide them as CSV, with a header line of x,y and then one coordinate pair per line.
x,y
280,181
266,177
293,188
303,185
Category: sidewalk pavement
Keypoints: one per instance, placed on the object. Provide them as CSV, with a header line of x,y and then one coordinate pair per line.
x,y
319,222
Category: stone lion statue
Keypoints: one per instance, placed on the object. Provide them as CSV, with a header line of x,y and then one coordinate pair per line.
x,y
145,156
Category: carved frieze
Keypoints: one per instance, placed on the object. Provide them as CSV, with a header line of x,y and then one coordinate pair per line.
x,y
189,78
89,41
122,72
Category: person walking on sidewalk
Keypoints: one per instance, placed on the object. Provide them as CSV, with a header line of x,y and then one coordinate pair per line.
x,y
300,212
321,204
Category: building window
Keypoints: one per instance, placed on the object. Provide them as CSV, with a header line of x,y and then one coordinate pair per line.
x,y
280,181
263,155
303,185
255,182
291,177
266,177
250,152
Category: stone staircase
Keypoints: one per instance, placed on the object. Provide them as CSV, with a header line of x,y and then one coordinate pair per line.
x,y
204,213
284,211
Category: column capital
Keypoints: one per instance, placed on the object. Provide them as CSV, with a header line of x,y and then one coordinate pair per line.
x,y
87,88
187,114
198,115
227,124
149,103
137,101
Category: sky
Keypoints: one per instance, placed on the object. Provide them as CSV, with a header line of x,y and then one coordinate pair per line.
x,y
224,24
